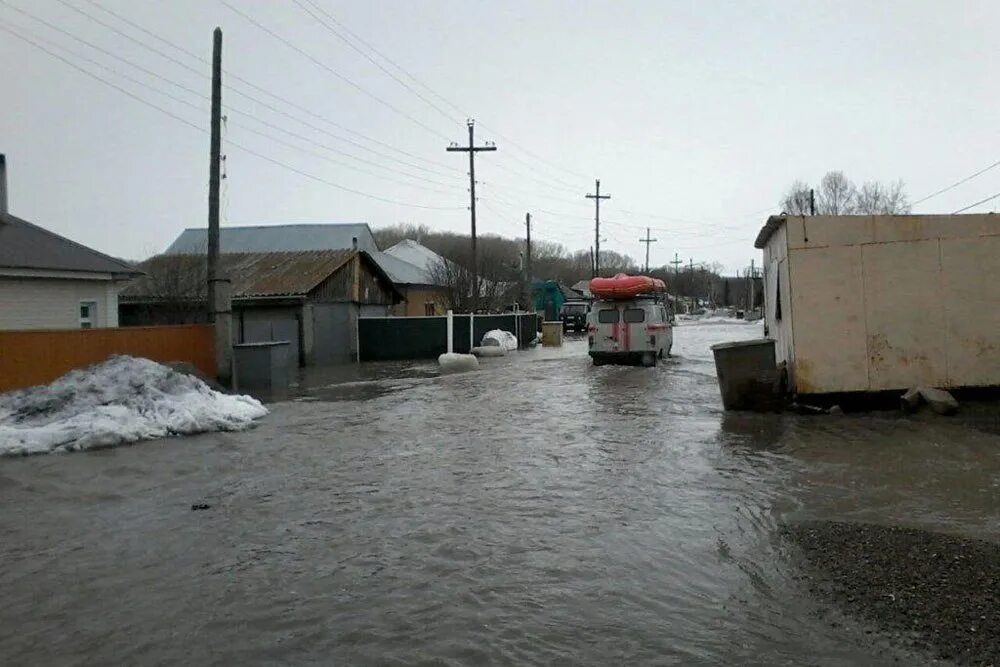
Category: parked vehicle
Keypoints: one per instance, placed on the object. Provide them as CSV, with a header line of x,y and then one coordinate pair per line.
x,y
630,331
574,315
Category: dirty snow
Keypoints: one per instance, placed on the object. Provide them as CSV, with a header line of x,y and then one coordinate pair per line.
x,y
120,401
499,337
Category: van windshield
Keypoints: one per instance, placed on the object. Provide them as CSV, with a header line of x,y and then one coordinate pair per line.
x,y
607,316
575,308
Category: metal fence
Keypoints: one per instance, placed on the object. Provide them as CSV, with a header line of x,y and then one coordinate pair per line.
x,y
36,357
397,338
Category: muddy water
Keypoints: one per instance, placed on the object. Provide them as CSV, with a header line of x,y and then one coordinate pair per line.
x,y
539,511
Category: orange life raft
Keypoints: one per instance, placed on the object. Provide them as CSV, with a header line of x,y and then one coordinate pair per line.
x,y
625,287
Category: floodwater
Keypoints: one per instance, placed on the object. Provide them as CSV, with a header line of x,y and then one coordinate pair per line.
x,y
539,511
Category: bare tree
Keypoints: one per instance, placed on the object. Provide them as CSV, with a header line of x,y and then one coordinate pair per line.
x,y
837,194
796,201
173,290
875,198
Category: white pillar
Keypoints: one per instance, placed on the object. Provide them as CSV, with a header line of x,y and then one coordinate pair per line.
x,y
451,332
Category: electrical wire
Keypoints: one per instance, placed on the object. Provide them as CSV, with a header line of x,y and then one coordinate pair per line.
x,y
245,149
957,183
250,84
329,69
248,114
981,201
423,85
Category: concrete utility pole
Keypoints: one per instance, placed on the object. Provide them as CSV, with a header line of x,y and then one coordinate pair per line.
x,y
597,197
219,294
753,276
472,149
647,241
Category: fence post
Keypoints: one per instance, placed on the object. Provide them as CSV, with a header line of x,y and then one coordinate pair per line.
x,y
451,332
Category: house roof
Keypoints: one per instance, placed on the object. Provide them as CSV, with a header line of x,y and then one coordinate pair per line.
x,y
252,275
583,287
27,246
769,228
402,272
281,238
413,252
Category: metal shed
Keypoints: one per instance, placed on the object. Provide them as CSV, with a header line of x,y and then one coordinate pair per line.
x,y
873,303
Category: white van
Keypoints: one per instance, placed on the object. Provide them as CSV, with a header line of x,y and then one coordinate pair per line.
x,y
634,331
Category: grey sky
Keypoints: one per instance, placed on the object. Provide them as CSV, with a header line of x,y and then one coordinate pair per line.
x,y
699,113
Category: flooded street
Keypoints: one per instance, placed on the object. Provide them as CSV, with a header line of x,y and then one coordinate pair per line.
x,y
538,511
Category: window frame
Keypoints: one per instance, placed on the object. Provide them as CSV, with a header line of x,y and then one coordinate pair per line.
x,y
626,311
616,320
88,321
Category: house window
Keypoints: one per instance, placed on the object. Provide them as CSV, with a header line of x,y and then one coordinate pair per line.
x,y
88,314
429,308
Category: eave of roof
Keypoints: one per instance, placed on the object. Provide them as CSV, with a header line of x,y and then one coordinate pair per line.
x,y
772,225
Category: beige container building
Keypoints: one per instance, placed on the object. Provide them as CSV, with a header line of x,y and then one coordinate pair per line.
x,y
873,303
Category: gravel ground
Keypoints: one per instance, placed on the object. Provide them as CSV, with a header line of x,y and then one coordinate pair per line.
x,y
935,592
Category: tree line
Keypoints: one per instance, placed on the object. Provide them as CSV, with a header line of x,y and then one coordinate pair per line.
x,y
838,195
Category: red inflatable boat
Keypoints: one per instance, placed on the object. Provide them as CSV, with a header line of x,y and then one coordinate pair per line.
x,y
625,287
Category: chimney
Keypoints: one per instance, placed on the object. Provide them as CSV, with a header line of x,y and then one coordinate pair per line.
x,y
3,184
354,242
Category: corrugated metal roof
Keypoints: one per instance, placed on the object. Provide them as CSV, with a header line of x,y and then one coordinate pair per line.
x,y
262,274
402,273
281,238
771,226
413,252
27,246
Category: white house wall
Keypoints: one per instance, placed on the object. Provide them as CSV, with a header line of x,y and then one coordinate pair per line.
x,y
42,303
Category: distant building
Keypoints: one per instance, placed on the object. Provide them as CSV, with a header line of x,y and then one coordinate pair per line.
x,y
312,299
408,263
415,270
871,303
582,287
50,282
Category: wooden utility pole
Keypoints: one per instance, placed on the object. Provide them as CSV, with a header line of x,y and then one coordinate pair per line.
x,y
597,197
472,149
527,263
691,270
219,296
677,263
647,241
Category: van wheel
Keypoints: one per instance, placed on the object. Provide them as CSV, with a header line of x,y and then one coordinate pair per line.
x,y
599,362
649,359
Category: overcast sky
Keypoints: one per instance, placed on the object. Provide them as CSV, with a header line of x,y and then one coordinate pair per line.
x,y
696,116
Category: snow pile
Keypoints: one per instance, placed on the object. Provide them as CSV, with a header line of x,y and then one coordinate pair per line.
x,y
119,401
498,337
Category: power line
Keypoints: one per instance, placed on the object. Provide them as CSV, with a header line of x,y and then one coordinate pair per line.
x,y
255,153
981,201
263,122
366,56
261,89
957,183
332,71
423,85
